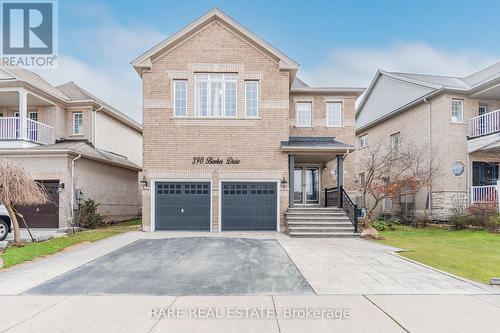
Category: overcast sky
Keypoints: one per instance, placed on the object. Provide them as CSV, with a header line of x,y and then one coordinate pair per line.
x,y
337,43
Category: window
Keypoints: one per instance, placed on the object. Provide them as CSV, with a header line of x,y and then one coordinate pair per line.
x,y
77,123
362,180
33,116
363,141
334,114
216,95
483,108
180,98
251,98
304,114
395,140
457,111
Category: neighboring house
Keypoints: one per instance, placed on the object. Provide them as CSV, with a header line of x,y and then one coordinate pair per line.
x,y
72,143
229,129
455,119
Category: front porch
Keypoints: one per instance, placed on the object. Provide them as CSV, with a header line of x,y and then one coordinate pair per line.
x,y
20,115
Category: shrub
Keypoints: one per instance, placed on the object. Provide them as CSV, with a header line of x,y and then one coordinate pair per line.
x,y
381,225
460,221
87,216
494,223
481,214
383,216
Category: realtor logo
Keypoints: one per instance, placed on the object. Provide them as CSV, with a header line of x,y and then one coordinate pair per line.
x,y
29,33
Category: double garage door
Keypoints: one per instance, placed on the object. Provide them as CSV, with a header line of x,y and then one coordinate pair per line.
x,y
243,206
43,216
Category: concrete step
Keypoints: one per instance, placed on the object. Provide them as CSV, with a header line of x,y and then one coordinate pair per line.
x,y
315,209
323,213
307,218
319,224
295,229
323,234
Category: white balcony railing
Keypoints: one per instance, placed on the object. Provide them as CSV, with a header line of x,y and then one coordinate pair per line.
x,y
10,129
484,194
485,124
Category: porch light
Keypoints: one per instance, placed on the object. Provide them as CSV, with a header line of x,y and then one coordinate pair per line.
x,y
144,181
283,182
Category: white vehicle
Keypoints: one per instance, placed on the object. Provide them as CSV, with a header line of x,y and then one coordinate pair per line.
x,y
5,224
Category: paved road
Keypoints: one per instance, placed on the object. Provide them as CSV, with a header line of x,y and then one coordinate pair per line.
x,y
380,291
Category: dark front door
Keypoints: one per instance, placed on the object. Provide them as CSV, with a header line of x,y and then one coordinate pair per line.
x,y
484,173
182,206
249,206
43,216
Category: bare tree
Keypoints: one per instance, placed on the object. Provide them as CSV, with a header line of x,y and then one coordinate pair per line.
x,y
18,188
390,169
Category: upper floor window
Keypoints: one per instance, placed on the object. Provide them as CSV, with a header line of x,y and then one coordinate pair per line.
x,y
216,95
483,108
251,98
77,123
334,114
33,116
362,180
363,141
180,98
304,112
457,111
395,140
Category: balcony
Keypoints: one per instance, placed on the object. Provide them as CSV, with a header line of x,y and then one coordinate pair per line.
x,y
484,132
11,129
484,194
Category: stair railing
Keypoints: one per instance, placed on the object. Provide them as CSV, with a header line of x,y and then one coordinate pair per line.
x,y
337,196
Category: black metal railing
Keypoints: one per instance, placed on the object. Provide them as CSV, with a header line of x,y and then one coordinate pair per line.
x,y
337,196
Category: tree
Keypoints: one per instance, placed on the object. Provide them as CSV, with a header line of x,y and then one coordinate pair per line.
x,y
391,169
18,188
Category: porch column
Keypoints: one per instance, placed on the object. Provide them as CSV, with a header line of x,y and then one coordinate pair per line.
x,y
340,176
291,168
23,114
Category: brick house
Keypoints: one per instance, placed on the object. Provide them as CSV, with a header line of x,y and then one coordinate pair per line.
x,y
74,144
455,120
229,129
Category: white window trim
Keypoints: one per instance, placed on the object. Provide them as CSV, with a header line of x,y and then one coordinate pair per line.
x,y
74,114
174,97
258,98
297,114
359,141
341,113
391,141
209,97
460,121
33,112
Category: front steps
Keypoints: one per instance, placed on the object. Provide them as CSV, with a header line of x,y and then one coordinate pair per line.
x,y
318,221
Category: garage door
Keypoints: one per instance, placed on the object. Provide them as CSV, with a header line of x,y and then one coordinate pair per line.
x,y
43,216
249,206
182,206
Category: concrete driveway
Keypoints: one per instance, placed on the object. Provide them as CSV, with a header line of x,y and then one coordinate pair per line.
x,y
380,291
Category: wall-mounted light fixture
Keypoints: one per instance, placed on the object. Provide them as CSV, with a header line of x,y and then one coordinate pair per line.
x,y
144,181
283,182
60,187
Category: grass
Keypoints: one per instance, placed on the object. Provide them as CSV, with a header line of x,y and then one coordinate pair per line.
x,y
471,254
15,255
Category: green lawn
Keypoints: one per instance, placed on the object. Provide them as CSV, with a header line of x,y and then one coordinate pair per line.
x,y
16,255
472,254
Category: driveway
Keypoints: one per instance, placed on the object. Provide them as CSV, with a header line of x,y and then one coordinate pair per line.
x,y
186,266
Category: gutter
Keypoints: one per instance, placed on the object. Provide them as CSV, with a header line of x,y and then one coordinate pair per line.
x,y
94,125
429,187
73,188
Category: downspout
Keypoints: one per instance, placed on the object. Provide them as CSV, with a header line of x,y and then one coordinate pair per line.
x,y
94,125
429,187
73,187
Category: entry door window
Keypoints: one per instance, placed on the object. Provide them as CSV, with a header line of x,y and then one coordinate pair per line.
x,y
312,185
484,173
297,185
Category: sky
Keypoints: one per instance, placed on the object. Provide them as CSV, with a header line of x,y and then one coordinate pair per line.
x,y
336,43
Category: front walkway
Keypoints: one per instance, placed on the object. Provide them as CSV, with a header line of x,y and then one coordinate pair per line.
x,y
374,289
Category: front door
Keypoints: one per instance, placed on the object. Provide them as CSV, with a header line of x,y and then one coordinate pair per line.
x,y
306,185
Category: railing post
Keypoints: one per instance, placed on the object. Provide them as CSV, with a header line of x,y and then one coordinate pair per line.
x,y
498,195
326,197
355,218
340,196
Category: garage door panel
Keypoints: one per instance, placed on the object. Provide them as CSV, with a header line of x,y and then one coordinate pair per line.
x,y
182,206
249,206
43,216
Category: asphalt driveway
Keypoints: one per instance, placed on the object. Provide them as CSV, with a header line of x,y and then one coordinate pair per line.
x,y
185,266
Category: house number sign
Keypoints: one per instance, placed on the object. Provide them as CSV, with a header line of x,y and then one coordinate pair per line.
x,y
214,160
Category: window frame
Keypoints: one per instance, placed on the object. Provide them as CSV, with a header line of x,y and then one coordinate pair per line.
x,y
226,78
360,140
174,85
297,114
33,112
461,120
362,180
73,117
341,118
392,141
256,100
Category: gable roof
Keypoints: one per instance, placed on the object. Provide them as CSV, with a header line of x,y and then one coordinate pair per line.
x,y
299,86
143,62
391,92
77,93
